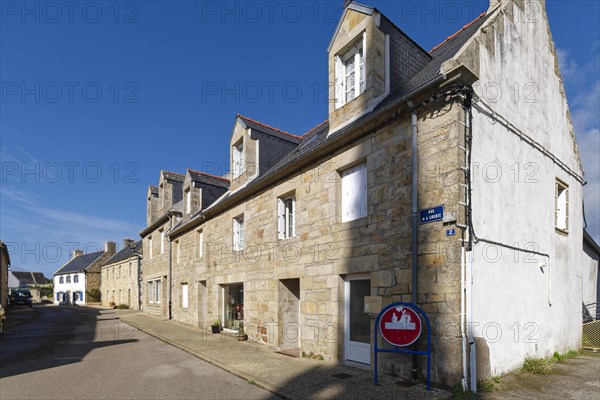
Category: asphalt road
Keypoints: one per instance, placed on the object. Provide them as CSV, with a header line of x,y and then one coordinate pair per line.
x,y
79,352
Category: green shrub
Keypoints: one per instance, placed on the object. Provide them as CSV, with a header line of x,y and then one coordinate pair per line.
x,y
488,385
122,307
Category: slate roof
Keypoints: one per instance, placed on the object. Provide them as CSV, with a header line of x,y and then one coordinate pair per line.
x,y
79,263
259,126
30,278
124,254
174,176
318,136
208,179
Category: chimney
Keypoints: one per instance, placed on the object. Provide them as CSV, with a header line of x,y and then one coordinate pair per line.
x,y
127,242
110,247
77,253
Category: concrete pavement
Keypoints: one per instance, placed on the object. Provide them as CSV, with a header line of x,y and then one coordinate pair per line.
x,y
288,377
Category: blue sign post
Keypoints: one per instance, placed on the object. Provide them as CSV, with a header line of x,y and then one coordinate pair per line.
x,y
405,310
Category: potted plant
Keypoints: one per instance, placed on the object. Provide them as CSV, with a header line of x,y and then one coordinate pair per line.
x,y
241,336
216,326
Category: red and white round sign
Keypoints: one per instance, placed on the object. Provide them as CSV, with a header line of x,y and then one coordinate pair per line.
x,y
400,325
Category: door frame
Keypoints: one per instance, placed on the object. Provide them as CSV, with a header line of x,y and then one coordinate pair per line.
x,y
347,279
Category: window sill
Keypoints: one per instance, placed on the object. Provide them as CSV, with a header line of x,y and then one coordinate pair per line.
x,y
560,231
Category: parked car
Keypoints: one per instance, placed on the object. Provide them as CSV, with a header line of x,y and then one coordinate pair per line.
x,y
2,318
20,298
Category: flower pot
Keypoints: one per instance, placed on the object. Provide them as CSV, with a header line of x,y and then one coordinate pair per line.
x,y
216,329
241,338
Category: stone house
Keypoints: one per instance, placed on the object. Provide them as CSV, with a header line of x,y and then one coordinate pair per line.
x,y
121,276
80,275
309,225
4,266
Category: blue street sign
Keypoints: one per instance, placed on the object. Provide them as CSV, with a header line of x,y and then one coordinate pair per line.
x,y
432,214
450,232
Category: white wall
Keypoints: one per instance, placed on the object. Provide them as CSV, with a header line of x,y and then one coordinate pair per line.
x,y
520,309
589,283
72,287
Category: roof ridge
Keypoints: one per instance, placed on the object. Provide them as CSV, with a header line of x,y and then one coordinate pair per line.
x,y
207,174
456,33
174,173
316,127
268,126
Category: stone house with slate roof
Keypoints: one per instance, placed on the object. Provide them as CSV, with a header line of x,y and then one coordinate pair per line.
x,y
310,225
121,276
80,274
24,279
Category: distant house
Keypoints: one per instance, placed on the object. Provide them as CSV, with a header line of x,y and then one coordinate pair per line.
x,y
4,265
121,276
80,275
24,280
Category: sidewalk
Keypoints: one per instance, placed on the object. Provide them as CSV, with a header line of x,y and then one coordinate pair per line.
x,y
288,377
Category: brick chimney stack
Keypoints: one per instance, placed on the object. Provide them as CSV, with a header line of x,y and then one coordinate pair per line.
x,y
127,242
77,253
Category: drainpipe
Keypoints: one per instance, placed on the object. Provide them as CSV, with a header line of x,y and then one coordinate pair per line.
x,y
415,221
171,216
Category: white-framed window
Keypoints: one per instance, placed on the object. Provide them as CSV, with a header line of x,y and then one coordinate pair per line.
x,y
354,193
61,280
154,290
286,217
184,295
561,210
238,159
150,246
76,279
188,200
350,74
199,244
68,278
162,241
238,233
150,292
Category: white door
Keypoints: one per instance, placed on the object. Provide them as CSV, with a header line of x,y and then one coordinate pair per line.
x,y
357,322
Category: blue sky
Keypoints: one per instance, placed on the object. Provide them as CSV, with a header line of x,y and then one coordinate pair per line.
x,y
97,97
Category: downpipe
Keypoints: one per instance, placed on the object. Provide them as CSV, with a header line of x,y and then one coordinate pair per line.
x,y
415,221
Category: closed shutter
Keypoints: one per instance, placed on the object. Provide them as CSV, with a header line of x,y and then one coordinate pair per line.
x,y
184,295
354,193
339,83
280,219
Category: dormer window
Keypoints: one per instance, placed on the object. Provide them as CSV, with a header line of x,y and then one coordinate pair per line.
x,y
350,74
354,74
238,159
188,200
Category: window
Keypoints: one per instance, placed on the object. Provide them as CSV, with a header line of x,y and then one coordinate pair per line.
x,y
150,293
68,278
354,193
350,74
130,269
162,241
61,280
188,201
238,159
184,295
238,233
176,250
154,291
199,244
286,212
150,246
76,279
561,211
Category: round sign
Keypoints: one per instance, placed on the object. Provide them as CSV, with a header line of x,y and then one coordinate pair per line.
x,y
400,325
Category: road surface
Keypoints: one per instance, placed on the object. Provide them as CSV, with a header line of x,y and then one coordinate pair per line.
x,y
80,352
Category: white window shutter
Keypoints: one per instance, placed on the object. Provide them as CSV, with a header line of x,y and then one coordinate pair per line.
x,y
339,82
235,235
280,219
293,217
